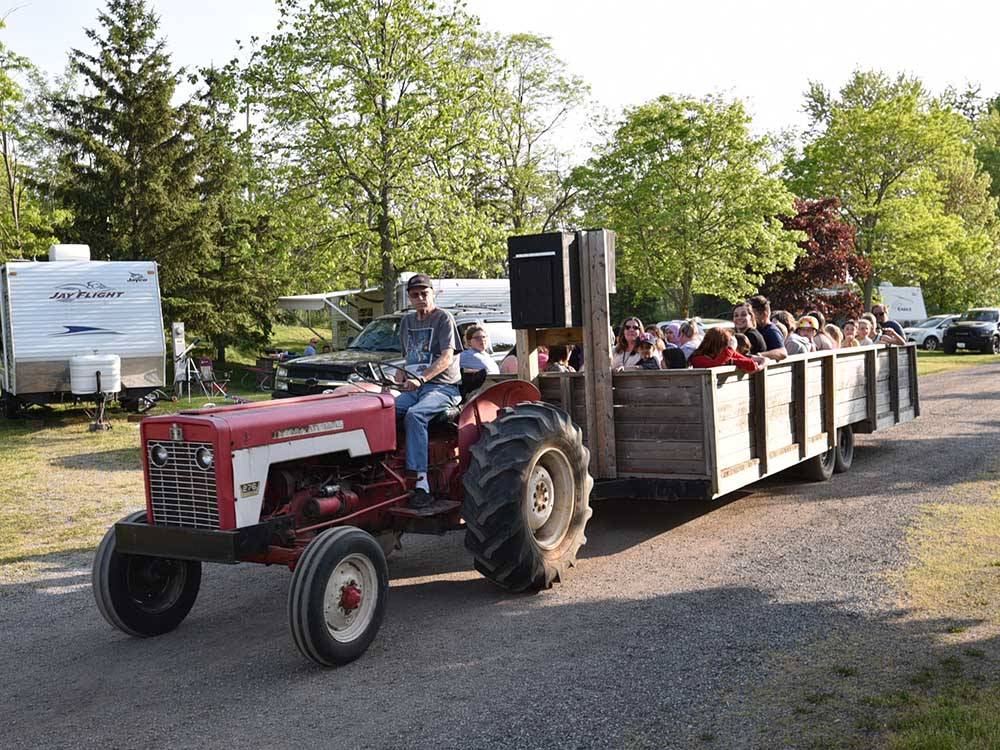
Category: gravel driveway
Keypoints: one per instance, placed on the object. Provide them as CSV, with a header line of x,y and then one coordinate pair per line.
x,y
683,626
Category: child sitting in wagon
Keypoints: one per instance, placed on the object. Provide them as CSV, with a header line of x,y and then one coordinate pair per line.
x,y
716,350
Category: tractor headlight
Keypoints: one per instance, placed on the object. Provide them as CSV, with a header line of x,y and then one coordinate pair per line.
x,y
281,385
204,458
158,456
282,372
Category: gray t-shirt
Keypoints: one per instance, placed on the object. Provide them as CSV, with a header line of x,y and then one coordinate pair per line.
x,y
424,340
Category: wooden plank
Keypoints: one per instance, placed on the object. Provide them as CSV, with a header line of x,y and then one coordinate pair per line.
x,y
667,451
709,431
829,385
566,394
655,468
871,395
657,414
734,410
799,393
734,426
894,383
760,424
739,476
560,336
659,397
625,381
595,247
734,450
912,369
653,430
527,355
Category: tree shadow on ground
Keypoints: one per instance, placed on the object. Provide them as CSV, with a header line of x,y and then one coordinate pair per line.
x,y
459,663
117,459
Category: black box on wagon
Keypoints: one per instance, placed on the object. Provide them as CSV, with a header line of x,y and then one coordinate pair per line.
x,y
545,280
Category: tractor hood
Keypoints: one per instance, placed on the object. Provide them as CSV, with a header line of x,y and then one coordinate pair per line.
x,y
272,422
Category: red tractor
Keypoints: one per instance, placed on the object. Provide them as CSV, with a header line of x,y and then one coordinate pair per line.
x,y
317,483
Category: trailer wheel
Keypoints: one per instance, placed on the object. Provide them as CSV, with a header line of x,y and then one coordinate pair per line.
x,y
527,497
845,449
140,595
336,601
820,468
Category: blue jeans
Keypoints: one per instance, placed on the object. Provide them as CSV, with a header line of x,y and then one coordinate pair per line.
x,y
420,406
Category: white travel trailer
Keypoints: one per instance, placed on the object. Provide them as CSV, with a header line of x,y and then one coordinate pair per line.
x,y
71,306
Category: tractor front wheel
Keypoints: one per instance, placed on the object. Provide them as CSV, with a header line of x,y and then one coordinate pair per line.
x,y
140,595
527,497
337,598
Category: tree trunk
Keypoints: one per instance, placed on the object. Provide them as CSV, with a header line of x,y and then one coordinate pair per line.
x,y
869,288
385,253
220,352
687,299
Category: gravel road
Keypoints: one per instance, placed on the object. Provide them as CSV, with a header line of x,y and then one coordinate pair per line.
x,y
677,629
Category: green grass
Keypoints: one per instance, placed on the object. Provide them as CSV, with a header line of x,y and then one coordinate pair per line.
x,y
964,716
288,338
62,486
929,363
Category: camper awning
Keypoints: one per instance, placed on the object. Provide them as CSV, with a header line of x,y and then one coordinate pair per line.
x,y
321,302
317,301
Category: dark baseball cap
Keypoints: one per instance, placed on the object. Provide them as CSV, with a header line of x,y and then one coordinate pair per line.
x,y
418,281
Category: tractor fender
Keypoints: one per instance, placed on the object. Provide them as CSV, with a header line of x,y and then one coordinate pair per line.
x,y
483,407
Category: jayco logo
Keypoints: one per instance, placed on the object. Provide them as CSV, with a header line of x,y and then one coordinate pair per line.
x,y
92,290
136,278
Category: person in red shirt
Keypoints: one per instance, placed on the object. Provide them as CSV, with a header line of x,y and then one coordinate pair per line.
x,y
717,350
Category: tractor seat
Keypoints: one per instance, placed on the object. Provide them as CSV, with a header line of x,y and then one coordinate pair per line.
x,y
472,380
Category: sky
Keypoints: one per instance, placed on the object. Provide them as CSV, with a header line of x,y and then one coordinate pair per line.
x,y
629,51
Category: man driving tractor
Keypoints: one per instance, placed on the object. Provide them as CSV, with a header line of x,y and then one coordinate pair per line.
x,y
431,344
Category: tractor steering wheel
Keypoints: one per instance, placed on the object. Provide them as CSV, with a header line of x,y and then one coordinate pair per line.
x,y
375,372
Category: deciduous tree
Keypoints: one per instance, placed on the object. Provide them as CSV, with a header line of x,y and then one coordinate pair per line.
x,y
29,219
884,146
828,263
379,108
693,200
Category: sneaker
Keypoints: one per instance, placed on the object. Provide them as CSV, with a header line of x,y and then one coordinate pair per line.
x,y
420,498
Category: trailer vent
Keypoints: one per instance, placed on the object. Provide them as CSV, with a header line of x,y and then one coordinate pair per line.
x,y
182,493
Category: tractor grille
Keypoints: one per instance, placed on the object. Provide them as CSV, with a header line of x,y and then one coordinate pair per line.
x,y
182,493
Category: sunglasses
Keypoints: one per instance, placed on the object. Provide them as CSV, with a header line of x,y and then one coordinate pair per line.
x,y
419,294
631,328
480,336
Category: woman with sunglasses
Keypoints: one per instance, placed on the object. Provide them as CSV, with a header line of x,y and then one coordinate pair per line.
x,y
626,353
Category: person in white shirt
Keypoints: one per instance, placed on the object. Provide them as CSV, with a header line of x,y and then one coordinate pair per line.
x,y
475,357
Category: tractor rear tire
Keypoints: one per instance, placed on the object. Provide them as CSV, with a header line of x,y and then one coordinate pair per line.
x,y
844,449
140,595
819,468
337,598
527,497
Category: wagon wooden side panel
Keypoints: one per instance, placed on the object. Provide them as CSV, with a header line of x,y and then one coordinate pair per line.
x,y
724,428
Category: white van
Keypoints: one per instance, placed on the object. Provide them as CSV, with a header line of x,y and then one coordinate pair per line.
x,y
51,311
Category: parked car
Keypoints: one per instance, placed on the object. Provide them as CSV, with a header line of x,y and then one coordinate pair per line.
x,y
978,329
379,342
929,333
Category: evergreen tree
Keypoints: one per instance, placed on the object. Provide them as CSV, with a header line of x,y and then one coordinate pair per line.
x,y
130,157
243,278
